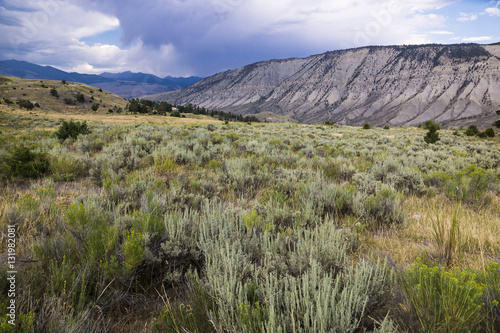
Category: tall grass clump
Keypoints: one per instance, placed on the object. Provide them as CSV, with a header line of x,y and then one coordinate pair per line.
x,y
447,236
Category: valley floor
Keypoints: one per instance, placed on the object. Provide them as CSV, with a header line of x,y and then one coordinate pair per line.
x,y
155,224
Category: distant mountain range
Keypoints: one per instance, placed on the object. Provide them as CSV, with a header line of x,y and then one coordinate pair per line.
x,y
126,84
456,85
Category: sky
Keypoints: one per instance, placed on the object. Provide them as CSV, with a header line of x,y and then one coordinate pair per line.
x,y
204,37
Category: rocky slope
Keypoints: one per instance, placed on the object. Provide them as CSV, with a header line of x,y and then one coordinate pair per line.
x,y
396,85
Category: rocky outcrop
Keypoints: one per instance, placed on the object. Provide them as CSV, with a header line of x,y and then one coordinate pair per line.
x,y
395,85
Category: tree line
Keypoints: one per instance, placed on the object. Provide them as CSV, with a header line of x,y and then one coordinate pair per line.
x,y
163,108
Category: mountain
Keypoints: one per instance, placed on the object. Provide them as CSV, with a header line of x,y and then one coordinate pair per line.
x,y
27,70
126,84
396,85
175,82
130,84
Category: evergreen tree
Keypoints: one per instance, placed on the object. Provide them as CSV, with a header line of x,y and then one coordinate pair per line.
x,y
432,136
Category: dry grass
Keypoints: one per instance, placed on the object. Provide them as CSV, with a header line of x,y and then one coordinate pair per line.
x,y
113,118
479,230
127,118
38,91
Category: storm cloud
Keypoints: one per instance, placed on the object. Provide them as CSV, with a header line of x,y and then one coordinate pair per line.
x,y
202,37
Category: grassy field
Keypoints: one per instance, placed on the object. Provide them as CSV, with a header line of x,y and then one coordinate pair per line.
x,y
154,224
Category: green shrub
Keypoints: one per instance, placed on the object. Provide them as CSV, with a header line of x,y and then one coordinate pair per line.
x,y
386,127
471,185
69,101
191,315
95,106
489,132
400,177
80,98
491,296
24,103
497,123
54,93
65,177
89,143
133,249
472,130
437,179
23,322
164,163
444,301
366,126
62,161
216,138
254,220
232,136
24,161
385,208
71,129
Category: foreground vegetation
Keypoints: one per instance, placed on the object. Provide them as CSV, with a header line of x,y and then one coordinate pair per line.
x,y
249,228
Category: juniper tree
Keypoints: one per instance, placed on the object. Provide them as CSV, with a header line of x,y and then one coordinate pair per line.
x,y
432,136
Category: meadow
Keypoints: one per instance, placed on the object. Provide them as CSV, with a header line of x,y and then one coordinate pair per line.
x,y
239,227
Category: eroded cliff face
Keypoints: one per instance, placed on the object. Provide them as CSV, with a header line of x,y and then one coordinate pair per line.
x,y
395,85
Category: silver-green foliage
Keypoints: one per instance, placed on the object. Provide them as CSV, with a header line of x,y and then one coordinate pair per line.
x,y
301,281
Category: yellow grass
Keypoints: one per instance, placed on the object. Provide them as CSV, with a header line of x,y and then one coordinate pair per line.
x,y
479,230
38,91
114,118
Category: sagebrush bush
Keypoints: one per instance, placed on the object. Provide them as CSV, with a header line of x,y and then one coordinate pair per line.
x,y
402,178
471,186
385,208
63,162
243,228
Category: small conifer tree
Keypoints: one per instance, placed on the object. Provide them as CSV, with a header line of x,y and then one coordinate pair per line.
x,y
432,136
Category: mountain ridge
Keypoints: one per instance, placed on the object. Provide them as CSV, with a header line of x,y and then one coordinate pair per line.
x,y
394,85
126,84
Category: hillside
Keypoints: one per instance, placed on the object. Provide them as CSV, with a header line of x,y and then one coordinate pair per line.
x,y
39,91
455,85
126,84
51,107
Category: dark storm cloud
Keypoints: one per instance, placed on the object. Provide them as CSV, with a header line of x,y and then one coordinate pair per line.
x,y
210,35
202,37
